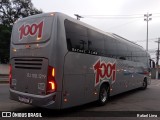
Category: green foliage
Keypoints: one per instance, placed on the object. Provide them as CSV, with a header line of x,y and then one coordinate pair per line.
x,y
5,33
10,11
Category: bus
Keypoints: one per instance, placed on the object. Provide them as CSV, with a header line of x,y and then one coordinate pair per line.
x,y
58,62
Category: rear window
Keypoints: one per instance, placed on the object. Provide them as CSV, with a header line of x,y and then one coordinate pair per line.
x,y
34,30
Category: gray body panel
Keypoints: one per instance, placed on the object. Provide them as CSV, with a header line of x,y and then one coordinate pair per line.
x,y
75,76
79,78
29,75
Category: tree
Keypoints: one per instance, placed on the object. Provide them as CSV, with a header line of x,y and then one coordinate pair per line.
x,y
5,33
10,11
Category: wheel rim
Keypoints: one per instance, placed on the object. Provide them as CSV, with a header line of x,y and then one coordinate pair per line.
x,y
103,95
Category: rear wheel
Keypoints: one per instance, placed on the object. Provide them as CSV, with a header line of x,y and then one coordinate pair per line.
x,y
103,94
144,86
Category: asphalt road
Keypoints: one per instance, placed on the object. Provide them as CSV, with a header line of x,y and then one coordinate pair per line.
x,y
127,105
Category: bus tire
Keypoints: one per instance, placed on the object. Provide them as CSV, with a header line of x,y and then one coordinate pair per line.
x,y
103,95
144,86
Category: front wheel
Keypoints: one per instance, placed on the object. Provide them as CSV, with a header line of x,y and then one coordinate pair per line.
x,y
103,95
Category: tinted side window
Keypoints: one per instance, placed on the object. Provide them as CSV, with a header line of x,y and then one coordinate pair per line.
x,y
110,47
95,42
76,36
122,51
136,53
142,57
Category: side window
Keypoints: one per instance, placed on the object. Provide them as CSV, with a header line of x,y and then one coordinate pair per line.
x,y
76,42
128,53
95,42
122,51
122,58
76,36
110,47
133,54
137,54
143,57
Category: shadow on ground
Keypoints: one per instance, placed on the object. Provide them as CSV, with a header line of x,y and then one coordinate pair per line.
x,y
81,111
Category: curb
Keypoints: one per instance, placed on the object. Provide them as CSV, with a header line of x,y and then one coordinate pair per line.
x,y
4,74
2,82
5,80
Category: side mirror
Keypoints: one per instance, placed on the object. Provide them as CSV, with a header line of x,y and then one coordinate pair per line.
x,y
152,63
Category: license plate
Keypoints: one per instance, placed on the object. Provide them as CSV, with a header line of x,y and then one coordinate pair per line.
x,y
25,100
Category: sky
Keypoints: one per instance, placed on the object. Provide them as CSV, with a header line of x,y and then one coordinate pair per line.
x,y
122,17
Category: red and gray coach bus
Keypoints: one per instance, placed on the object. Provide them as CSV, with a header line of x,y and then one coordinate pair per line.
x,y
58,62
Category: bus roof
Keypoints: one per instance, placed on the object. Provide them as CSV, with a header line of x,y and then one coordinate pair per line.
x,y
113,35
64,16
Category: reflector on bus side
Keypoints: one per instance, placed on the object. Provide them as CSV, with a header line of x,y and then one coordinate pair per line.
x,y
10,74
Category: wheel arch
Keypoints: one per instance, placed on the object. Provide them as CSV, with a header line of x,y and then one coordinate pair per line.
x,y
105,82
146,79
103,97
145,83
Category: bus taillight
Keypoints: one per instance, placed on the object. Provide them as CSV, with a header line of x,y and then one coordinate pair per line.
x,y
146,73
51,85
10,74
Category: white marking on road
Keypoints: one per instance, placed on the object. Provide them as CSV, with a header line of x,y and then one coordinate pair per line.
x,y
155,83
